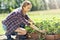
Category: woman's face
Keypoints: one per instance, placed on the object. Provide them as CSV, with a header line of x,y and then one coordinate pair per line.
x,y
27,8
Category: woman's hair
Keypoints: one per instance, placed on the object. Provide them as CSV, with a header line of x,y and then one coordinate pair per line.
x,y
25,3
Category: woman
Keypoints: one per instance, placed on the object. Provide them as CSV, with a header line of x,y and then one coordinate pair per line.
x,y
16,21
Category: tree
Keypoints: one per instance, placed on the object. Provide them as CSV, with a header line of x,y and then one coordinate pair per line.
x,y
56,4
10,4
47,6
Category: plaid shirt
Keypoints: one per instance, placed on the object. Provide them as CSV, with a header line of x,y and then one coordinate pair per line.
x,y
14,20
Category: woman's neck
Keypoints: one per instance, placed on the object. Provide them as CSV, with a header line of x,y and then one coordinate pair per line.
x,y
24,13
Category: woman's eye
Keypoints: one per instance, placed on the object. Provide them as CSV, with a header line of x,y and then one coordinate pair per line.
x,y
28,8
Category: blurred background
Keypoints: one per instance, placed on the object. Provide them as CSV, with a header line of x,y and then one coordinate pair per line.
x,y
41,10
9,5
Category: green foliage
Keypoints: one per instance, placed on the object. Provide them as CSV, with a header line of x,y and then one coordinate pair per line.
x,y
8,4
52,26
30,30
38,4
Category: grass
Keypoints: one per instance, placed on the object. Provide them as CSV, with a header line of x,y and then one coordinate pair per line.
x,y
2,16
36,16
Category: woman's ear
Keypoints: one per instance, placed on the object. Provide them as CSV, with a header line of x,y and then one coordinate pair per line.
x,y
23,8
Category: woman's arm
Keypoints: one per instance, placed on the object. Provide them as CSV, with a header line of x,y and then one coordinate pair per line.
x,y
37,29
30,20
33,26
26,17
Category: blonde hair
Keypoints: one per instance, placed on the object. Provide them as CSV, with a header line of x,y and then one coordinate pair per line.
x,y
25,3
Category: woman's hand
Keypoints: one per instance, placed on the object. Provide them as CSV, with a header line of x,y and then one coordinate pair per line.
x,y
31,23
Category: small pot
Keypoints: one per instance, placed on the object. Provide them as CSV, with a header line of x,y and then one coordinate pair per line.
x,y
51,37
33,36
59,36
